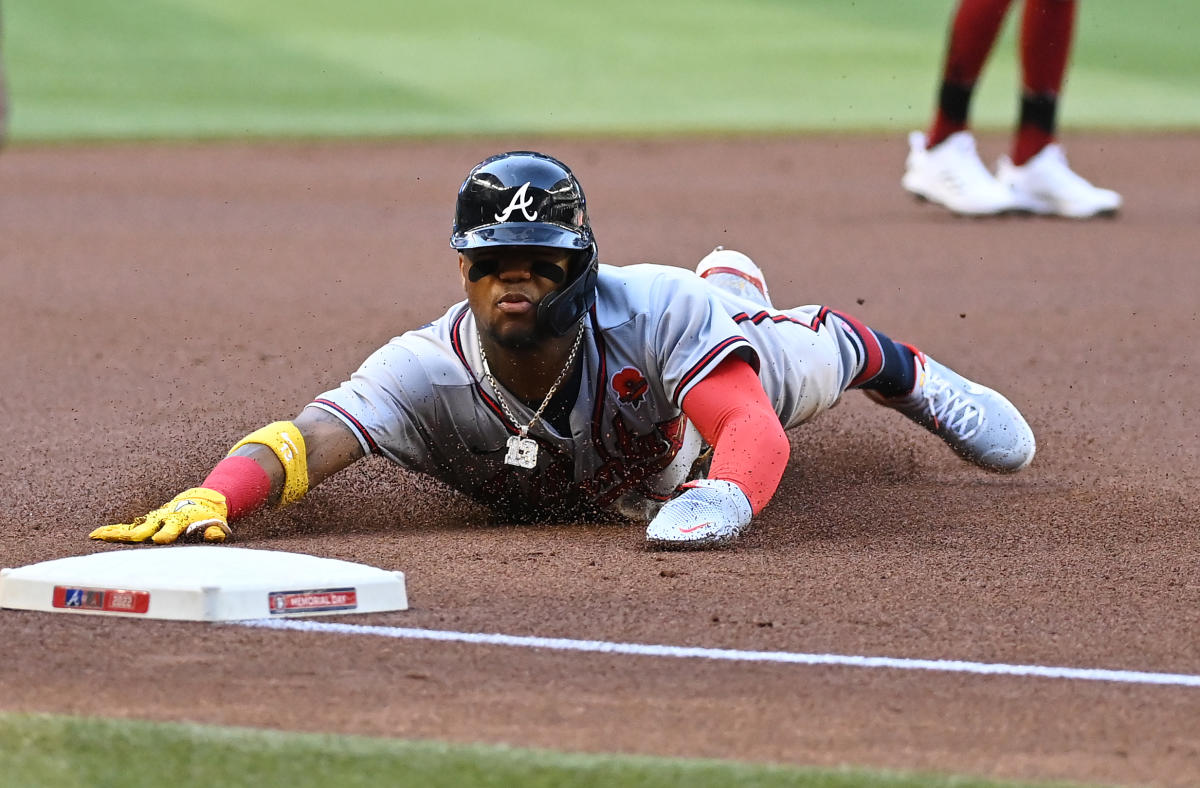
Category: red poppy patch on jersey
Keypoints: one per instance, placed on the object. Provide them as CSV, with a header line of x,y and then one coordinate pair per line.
x,y
630,385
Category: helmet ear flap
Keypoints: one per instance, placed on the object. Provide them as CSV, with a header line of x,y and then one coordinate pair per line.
x,y
561,310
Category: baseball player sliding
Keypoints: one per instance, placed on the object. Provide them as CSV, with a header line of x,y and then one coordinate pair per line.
x,y
563,389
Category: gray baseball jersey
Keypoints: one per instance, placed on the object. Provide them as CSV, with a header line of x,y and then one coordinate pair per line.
x,y
654,332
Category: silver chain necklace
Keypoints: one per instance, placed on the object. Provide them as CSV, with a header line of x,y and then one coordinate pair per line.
x,y
523,450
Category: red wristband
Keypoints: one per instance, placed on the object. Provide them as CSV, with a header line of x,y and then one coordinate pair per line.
x,y
242,481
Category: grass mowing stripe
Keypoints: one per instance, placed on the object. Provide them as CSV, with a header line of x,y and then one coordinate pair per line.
x,y
227,68
42,750
141,68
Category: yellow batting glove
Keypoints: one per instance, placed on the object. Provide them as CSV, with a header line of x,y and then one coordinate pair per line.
x,y
196,513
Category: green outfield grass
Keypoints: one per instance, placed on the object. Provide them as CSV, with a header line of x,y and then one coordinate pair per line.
x,y
70,752
129,69
231,69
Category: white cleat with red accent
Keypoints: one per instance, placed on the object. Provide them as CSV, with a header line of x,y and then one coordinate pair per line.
x,y
736,273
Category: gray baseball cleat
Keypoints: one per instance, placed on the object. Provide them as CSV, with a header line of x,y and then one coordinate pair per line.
x,y
978,423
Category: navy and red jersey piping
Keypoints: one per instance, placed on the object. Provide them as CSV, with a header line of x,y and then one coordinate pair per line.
x,y
777,317
704,362
873,362
456,343
358,425
745,317
601,386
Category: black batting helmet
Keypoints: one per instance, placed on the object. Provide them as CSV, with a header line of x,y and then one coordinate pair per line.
x,y
523,198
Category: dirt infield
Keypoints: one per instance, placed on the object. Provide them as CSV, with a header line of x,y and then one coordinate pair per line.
x,y
157,303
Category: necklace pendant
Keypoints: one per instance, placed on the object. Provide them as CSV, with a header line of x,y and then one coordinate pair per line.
x,y
522,452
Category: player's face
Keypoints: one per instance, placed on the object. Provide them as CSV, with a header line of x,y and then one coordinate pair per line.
x,y
509,283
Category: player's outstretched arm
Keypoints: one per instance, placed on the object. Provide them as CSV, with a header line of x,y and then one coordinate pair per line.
x,y
276,464
750,451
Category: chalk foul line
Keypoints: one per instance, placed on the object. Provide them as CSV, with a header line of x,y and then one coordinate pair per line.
x,y
733,655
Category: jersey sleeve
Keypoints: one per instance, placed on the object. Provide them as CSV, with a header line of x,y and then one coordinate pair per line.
x,y
693,333
381,403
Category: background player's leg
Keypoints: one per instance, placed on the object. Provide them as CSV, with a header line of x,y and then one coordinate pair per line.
x,y
944,167
973,34
1047,27
1038,173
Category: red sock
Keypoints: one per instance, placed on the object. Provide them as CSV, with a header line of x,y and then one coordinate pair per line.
x,y
1046,31
973,33
242,481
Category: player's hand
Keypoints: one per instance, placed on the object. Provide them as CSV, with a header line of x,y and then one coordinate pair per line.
x,y
708,513
196,513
